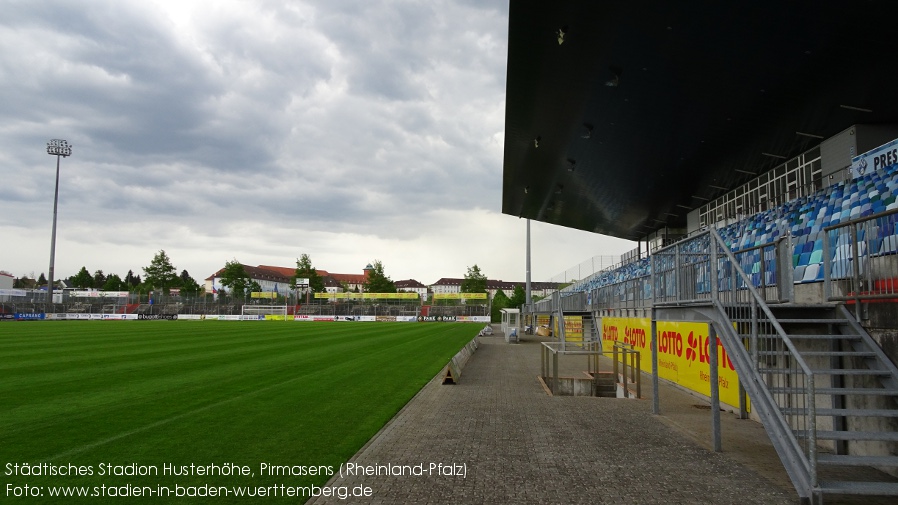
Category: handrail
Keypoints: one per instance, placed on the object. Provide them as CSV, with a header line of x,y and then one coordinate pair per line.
x,y
624,350
810,459
760,300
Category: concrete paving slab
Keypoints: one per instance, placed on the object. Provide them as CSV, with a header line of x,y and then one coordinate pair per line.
x,y
502,439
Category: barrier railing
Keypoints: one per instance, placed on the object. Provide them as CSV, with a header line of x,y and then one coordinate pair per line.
x,y
766,359
627,375
860,259
552,350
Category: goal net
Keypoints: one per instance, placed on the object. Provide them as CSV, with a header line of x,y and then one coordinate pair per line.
x,y
277,312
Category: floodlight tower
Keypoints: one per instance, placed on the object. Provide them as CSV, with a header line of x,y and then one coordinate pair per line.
x,y
61,149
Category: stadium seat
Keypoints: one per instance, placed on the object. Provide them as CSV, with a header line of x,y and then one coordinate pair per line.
x,y
810,274
816,256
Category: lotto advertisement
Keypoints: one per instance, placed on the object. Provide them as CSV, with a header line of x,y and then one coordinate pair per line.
x,y
682,353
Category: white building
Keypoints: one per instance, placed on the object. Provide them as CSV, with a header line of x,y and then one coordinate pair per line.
x,y
412,286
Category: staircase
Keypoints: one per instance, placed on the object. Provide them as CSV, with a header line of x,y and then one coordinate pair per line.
x,y
830,393
823,388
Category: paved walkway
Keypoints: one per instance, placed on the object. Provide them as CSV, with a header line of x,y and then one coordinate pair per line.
x,y
519,445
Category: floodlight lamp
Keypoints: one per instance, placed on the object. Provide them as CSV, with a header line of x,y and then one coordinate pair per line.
x,y
59,147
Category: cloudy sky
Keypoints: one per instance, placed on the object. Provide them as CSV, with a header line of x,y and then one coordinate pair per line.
x,y
261,130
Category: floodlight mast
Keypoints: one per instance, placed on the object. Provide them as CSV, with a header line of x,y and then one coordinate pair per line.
x,y
61,149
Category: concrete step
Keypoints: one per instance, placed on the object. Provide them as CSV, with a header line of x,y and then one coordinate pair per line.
x,y
840,391
859,488
838,459
845,412
817,336
882,436
827,371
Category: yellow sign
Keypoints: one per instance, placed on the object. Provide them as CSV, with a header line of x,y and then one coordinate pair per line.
x,y
573,328
367,296
682,353
459,296
263,294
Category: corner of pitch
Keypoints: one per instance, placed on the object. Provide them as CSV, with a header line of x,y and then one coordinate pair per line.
x,y
448,469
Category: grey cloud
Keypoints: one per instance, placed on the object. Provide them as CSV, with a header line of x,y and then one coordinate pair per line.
x,y
358,118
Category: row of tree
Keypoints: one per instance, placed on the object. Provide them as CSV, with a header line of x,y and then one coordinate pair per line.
x,y
160,274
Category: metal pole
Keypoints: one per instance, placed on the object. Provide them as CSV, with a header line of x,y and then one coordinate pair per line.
x,y
715,389
528,299
53,237
555,373
656,402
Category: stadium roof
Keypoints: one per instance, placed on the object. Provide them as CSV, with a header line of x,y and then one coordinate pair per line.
x,y
647,110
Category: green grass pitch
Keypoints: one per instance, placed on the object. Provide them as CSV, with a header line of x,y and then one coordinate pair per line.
x,y
164,392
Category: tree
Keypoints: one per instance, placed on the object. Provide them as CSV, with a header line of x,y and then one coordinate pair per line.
x,y
160,274
377,281
305,270
235,278
83,279
475,281
114,283
41,280
99,279
518,297
188,284
500,301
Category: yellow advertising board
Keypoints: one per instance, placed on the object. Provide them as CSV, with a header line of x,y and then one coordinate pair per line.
x,y
573,328
367,296
682,353
263,294
459,296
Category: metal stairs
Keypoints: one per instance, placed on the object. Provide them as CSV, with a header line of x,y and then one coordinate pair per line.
x,y
825,390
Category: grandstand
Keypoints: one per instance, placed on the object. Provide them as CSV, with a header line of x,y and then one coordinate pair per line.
x,y
804,221
757,174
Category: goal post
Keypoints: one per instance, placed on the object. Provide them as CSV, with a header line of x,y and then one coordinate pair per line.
x,y
277,312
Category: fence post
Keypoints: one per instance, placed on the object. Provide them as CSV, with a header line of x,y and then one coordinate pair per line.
x,y
715,389
676,272
856,272
614,367
827,267
713,273
656,402
555,373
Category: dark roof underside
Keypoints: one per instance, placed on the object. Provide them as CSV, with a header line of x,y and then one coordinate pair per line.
x,y
702,90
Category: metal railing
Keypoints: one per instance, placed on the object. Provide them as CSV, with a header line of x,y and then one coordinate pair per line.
x,y
770,368
681,274
631,374
551,351
860,259
702,271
